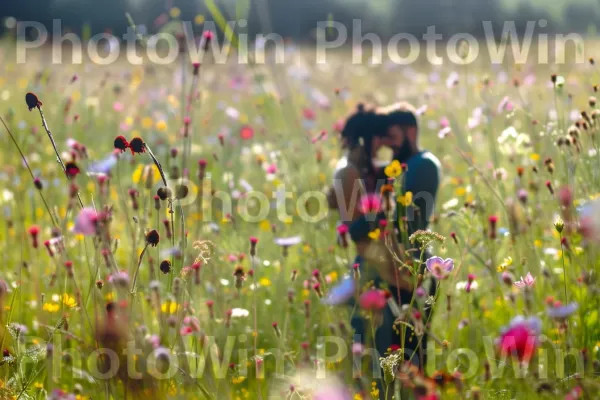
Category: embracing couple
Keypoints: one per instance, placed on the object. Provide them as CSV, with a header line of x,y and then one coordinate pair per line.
x,y
382,152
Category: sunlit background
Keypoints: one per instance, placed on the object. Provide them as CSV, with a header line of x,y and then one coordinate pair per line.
x,y
297,19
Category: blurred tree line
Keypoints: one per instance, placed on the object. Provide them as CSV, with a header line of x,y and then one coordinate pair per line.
x,y
298,18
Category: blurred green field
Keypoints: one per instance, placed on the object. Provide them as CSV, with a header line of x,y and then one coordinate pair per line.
x,y
500,131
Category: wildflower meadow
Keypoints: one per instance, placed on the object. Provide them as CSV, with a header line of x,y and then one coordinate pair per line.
x,y
165,230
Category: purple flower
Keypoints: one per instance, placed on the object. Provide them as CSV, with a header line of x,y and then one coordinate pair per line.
x,y
86,222
288,241
162,353
103,166
562,312
341,293
120,278
438,267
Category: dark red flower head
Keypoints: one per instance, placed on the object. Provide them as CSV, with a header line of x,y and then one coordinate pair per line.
x,y
165,266
32,101
163,193
196,66
137,145
493,221
72,170
121,143
37,182
152,238
207,36
34,231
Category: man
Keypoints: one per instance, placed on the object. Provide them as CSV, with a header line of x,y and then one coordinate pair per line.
x,y
423,169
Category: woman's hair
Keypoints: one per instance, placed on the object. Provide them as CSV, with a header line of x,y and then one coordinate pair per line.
x,y
362,126
359,131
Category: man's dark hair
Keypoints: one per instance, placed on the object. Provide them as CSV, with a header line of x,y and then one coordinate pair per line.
x,y
402,114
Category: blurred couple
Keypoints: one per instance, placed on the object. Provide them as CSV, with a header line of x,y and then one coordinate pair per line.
x,y
374,139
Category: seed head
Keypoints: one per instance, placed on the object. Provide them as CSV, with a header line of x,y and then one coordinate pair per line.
x,y
152,238
165,266
163,193
181,191
32,101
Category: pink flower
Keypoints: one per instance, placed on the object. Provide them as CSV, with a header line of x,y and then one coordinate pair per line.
x,y
86,222
520,338
505,105
118,107
565,196
338,126
357,348
190,325
444,123
438,267
529,280
342,229
470,280
154,341
186,330
309,114
370,203
372,300
272,169
332,392
574,394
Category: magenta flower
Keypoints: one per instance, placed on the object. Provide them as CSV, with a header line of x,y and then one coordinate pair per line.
x,y
372,300
529,281
520,338
86,222
342,229
438,267
370,204
272,169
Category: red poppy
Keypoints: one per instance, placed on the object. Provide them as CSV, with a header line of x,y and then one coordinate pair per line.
x,y
246,133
